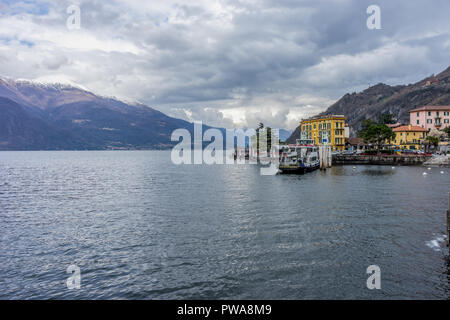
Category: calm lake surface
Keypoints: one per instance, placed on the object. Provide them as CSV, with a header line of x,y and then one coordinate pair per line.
x,y
140,227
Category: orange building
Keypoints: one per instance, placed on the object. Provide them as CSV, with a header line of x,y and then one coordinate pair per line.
x,y
409,137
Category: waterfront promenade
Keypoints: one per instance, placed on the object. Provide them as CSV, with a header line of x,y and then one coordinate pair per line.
x,y
380,159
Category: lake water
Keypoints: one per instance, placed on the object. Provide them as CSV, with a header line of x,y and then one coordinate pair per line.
x,y
139,227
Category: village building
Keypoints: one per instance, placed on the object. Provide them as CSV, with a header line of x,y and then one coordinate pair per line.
x,y
328,129
430,117
409,137
355,144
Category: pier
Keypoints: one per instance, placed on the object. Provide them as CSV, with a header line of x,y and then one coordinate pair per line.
x,y
448,221
325,157
380,159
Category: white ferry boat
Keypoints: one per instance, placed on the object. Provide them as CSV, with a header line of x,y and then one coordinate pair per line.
x,y
299,158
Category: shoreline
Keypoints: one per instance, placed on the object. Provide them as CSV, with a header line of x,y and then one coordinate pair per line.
x,y
404,160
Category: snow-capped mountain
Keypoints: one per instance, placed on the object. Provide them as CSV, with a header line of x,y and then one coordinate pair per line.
x,y
36,116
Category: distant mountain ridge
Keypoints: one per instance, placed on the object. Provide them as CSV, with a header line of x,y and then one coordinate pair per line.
x,y
36,116
20,130
382,98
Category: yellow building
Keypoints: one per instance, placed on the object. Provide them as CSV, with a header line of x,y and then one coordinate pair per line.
x,y
409,137
331,126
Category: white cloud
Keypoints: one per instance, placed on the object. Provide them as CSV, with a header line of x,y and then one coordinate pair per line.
x,y
24,28
230,62
387,61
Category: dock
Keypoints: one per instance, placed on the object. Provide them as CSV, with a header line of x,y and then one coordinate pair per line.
x,y
448,221
383,159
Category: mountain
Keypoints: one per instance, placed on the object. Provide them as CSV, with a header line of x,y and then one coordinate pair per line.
x,y
284,134
382,98
37,116
294,135
43,96
21,131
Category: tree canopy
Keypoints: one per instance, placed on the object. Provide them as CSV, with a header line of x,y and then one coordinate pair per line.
x,y
433,140
447,130
376,132
437,133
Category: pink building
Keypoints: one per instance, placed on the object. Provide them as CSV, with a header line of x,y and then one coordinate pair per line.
x,y
430,117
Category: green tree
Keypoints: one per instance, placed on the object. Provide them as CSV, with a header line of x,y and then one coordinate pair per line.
x,y
269,138
447,130
375,132
433,140
265,139
260,127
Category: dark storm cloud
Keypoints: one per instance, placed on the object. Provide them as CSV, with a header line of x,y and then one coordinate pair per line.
x,y
232,60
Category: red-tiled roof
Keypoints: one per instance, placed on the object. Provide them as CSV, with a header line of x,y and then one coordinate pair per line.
x,y
354,141
407,128
431,108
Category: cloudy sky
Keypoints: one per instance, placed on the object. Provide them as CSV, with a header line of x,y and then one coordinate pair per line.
x,y
228,63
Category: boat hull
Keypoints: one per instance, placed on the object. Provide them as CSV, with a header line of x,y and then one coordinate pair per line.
x,y
297,169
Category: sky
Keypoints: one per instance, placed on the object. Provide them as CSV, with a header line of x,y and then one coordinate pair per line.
x,y
231,63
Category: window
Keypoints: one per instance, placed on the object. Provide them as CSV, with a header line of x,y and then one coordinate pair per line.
x,y
429,121
445,120
429,113
418,121
417,114
329,126
445,113
437,113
